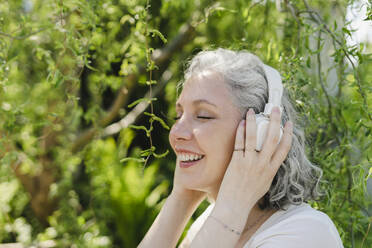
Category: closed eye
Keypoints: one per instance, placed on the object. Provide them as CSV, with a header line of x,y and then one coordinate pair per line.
x,y
200,117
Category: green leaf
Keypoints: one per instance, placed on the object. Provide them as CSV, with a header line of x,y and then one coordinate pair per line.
x,y
155,195
161,155
158,119
151,82
138,127
126,18
149,100
151,66
346,31
141,160
360,57
156,32
87,62
148,131
147,152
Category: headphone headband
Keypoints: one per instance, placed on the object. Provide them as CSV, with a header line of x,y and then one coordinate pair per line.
x,y
275,86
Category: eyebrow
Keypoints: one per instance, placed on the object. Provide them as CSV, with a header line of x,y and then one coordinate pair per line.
x,y
199,101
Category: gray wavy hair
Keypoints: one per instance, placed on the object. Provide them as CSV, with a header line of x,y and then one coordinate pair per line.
x,y
297,180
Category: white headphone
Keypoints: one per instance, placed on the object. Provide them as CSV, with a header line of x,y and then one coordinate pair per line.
x,y
275,88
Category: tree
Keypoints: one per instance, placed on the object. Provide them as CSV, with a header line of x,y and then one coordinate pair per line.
x,y
80,164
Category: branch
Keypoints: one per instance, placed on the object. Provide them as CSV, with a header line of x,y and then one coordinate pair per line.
x,y
369,227
186,34
314,15
349,185
295,14
42,244
39,30
320,79
22,37
318,19
132,116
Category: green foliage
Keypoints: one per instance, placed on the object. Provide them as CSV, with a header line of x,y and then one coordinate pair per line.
x,y
133,197
73,75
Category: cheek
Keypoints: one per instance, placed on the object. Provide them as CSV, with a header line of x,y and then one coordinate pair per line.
x,y
172,137
218,143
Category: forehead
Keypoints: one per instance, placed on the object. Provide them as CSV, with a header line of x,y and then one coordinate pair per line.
x,y
208,86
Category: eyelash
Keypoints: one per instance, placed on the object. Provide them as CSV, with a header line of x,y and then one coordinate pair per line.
x,y
201,117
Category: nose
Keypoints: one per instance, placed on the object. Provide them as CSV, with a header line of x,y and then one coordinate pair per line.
x,y
181,130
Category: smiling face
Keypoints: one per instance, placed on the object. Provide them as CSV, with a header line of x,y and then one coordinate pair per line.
x,y
206,125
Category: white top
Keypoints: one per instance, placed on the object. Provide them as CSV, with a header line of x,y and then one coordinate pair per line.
x,y
298,226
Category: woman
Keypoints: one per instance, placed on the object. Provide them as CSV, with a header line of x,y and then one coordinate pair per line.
x,y
258,192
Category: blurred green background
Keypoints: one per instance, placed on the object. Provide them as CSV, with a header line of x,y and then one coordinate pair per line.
x,y
83,167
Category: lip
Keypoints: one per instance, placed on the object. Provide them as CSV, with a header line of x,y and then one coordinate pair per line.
x,y
189,164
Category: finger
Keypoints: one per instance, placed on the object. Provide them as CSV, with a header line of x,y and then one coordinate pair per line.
x,y
239,138
284,146
250,132
272,138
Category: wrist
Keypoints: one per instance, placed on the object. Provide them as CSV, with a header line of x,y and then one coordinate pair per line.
x,y
188,196
186,201
232,215
225,226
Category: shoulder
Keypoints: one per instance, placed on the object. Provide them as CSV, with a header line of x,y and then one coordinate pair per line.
x,y
297,225
196,226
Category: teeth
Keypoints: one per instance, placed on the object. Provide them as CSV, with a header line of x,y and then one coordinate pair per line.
x,y
189,157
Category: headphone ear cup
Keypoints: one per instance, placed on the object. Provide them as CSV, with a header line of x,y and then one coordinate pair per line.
x,y
262,125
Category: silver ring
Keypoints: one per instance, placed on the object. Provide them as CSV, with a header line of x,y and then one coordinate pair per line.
x,y
240,149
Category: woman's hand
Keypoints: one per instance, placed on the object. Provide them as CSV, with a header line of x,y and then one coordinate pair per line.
x,y
174,215
181,192
250,174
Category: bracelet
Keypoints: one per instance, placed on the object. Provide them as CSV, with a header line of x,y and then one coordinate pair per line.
x,y
226,226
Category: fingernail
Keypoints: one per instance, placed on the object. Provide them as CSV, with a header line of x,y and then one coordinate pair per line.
x,y
251,111
276,109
